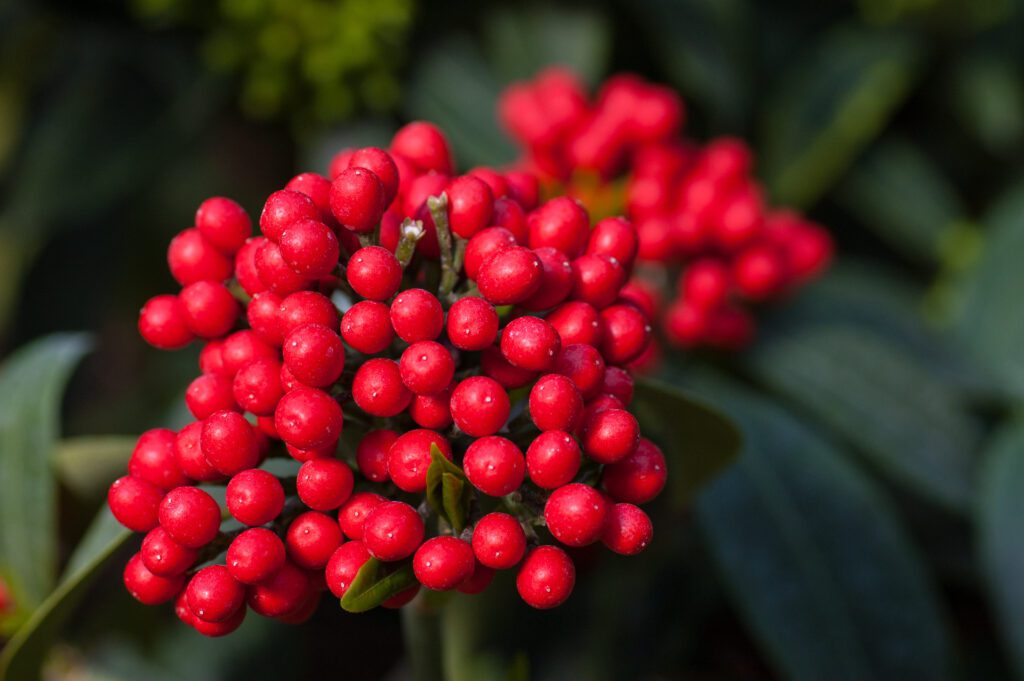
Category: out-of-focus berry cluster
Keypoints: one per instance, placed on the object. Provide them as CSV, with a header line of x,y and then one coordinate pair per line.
x,y
438,362
701,216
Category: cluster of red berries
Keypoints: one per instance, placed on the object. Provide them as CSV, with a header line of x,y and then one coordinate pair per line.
x,y
697,209
401,322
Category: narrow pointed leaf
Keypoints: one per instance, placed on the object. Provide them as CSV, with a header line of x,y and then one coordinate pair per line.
x,y
86,465
375,583
455,501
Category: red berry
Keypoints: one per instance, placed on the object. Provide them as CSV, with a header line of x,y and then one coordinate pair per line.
x,y
685,323
598,279
318,189
616,238
553,459
306,307
530,343
759,272
282,593
210,309
484,245
628,530
443,563
165,557
511,276
310,248
499,541
311,539
610,435
432,411
324,484
479,406
576,513
372,454
257,386
264,316
366,327
728,327
254,497
510,215
472,323
245,266
358,199
209,393
480,579
619,383
546,577
374,273
242,347
223,223
494,465
560,223
282,209
494,180
392,531
639,477
255,555
494,365
192,258
188,454
426,367
344,565
163,323
135,503
147,588
420,189
190,516
378,390
229,442
153,459
577,322
470,205
417,315
423,145
409,458
314,355
275,272
380,163
555,403
339,162
524,188
557,280
627,333
584,365
211,358
214,594
353,513
705,283
308,418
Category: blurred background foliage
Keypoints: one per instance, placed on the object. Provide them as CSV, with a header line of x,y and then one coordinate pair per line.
x,y
871,528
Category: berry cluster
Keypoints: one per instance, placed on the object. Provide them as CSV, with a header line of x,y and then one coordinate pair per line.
x,y
698,210
437,359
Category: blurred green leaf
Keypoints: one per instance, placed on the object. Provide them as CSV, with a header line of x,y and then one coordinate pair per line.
x,y
699,440
910,424
87,465
897,192
453,87
520,669
23,656
375,583
31,386
447,491
823,115
703,46
988,319
816,560
522,40
987,96
1001,543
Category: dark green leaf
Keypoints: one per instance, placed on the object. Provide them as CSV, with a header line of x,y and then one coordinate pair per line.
x,y
87,465
31,386
455,500
520,669
899,193
454,88
911,425
375,583
987,96
840,98
1001,545
24,654
816,560
699,441
522,40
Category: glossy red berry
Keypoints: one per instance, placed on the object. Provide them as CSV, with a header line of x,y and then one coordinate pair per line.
x,y
480,579
358,199
135,503
759,272
494,365
378,390
627,333
284,207
499,541
426,367
163,323
366,327
306,307
484,245
619,383
314,355
275,272
310,248
344,565
584,365
557,280
472,323
210,393
223,223
374,273
511,276
424,146
324,484
214,594
192,258
245,266
705,283
264,316
432,411
553,459
242,347
188,454
555,403
380,163
530,343
165,557
190,516
494,465
311,539
153,459
417,315
409,458
576,513
560,223
282,593
147,588
254,497
318,189
628,530
639,477
470,205
524,188
443,563
508,213
255,555
229,442
610,435
210,309
577,322
479,406
393,531
308,418
546,577
598,279
615,238
257,386
372,454
353,512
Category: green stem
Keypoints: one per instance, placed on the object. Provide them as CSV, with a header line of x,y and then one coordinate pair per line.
x,y
438,206
421,627
410,232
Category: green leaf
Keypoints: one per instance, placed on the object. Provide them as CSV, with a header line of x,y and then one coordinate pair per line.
x,y
23,656
375,583
988,319
454,501
87,465
31,386
700,442
522,40
839,99
816,560
520,669
454,88
447,492
987,97
1001,544
898,192
910,424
